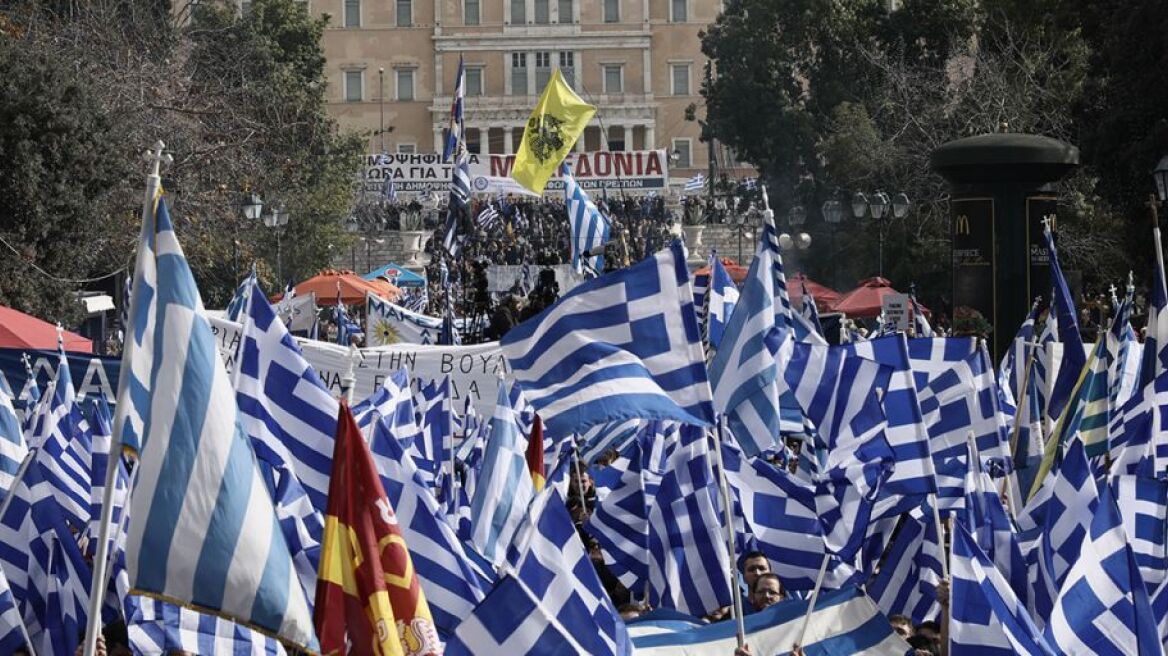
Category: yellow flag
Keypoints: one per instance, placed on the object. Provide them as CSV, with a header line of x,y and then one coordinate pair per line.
x,y
551,131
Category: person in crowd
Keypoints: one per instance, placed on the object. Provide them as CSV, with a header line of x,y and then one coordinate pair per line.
x,y
767,591
902,625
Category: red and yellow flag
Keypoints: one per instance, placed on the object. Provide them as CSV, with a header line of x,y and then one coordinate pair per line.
x,y
535,454
367,590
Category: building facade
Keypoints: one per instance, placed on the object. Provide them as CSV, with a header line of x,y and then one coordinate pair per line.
x,y
392,64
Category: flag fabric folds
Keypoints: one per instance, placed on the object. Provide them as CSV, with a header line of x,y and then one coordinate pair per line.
x,y
504,486
590,228
368,594
720,301
205,532
623,346
555,124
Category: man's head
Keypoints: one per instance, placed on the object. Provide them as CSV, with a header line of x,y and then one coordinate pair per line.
x,y
767,591
930,630
902,625
754,564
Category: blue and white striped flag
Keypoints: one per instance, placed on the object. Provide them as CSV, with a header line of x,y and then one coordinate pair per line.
x,y
205,532
810,312
620,520
284,407
906,583
780,514
1012,369
432,453
504,486
46,571
63,447
590,228
1143,505
161,628
602,437
1074,357
623,346
487,217
985,518
13,448
446,573
722,297
26,402
744,372
1124,355
1103,607
986,617
1156,340
393,401
550,601
695,183
11,624
527,280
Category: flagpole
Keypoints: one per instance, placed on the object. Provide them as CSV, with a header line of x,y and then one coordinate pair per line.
x,y
814,596
728,512
17,479
153,184
1013,493
941,531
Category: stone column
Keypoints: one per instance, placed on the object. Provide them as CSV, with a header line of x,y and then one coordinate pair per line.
x,y
628,137
508,141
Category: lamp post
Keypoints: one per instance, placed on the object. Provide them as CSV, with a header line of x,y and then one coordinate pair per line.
x,y
381,106
833,213
352,226
878,205
253,206
277,219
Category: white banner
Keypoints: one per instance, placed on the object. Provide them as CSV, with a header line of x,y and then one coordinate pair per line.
x,y
474,370
298,313
386,323
411,172
600,169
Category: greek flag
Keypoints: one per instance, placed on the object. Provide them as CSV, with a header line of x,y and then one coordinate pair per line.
x,y
695,183
388,190
1012,369
527,280
432,452
26,401
206,533
455,151
589,227
844,622
395,404
283,406
550,601
13,449
160,628
623,346
990,526
1156,341
504,487
906,583
986,618
487,217
958,395
1074,357
11,625
46,572
386,323
620,520
444,570
744,372
1124,356
1103,607
63,447
1143,506
780,514
616,435
722,298
810,312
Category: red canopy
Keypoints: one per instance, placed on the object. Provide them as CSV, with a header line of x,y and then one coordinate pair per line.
x,y
353,288
865,300
23,331
737,271
825,297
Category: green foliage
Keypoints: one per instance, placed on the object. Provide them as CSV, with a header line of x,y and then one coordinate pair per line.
x,y
239,102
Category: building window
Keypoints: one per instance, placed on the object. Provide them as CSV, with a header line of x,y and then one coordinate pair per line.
x,y
519,73
543,69
405,83
680,79
568,66
565,11
518,12
474,80
474,141
470,12
405,13
613,78
542,12
352,13
678,11
616,139
407,148
612,11
354,83
682,148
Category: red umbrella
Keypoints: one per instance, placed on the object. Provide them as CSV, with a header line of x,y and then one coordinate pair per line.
x,y
865,300
352,287
825,297
737,271
23,331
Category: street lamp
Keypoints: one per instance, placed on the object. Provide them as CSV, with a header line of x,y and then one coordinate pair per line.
x,y
881,208
253,206
833,213
278,220
797,216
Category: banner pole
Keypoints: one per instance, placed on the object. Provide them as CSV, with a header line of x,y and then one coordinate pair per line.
x,y
728,513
